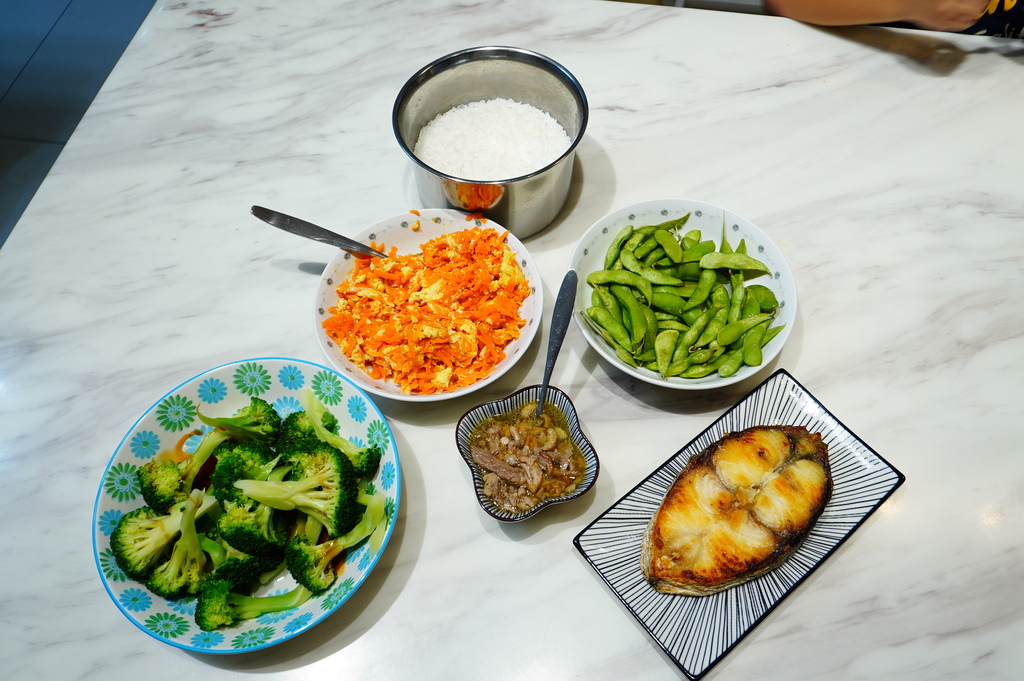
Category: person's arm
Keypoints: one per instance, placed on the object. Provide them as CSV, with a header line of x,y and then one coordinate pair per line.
x,y
938,15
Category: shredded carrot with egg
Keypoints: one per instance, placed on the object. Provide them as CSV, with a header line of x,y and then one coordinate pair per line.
x,y
433,321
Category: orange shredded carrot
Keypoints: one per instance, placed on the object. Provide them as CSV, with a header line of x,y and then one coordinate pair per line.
x,y
433,321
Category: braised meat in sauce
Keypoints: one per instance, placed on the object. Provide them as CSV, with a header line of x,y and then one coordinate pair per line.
x,y
526,458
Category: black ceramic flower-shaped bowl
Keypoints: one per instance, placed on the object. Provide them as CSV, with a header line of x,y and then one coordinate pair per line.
x,y
513,403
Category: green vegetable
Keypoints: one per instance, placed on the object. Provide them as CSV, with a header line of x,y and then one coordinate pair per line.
x,y
182,573
731,332
143,537
705,283
258,421
668,243
615,330
322,483
677,306
312,564
218,606
732,261
613,250
637,318
664,347
624,278
364,460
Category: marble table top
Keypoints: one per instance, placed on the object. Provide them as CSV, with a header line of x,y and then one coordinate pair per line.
x,y
885,164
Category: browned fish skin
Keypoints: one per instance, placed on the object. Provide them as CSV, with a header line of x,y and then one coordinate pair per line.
x,y
737,510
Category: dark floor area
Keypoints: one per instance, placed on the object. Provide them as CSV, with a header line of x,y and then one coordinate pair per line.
x,y
54,57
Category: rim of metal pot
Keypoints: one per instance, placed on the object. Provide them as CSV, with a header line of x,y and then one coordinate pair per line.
x,y
489,52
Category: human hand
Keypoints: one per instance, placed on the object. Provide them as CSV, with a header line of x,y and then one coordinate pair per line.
x,y
945,15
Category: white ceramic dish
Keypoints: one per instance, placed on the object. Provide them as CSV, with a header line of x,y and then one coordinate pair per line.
x,y
588,256
222,391
398,231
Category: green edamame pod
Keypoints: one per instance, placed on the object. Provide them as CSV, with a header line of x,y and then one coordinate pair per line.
x,y
623,278
674,224
752,345
669,302
765,297
615,330
732,261
692,315
703,290
732,331
696,329
668,243
702,356
697,252
689,271
724,247
664,324
710,366
738,296
648,244
771,332
613,251
654,256
631,263
714,328
693,235
684,290
750,304
731,363
664,346
637,319
623,355
719,296
602,297
650,326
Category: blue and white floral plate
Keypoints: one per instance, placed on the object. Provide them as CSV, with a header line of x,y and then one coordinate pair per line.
x,y
224,390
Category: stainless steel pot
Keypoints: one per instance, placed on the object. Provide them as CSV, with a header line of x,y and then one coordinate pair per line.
x,y
524,205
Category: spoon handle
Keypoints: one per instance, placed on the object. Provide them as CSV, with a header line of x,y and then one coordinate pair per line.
x,y
311,231
559,323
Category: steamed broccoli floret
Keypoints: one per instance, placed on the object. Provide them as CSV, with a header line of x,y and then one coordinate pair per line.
x,y
312,564
164,482
181,574
257,529
242,570
237,461
321,484
297,429
254,527
218,606
258,421
364,460
143,537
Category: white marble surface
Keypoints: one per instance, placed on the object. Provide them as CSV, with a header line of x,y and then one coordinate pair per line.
x,y
886,165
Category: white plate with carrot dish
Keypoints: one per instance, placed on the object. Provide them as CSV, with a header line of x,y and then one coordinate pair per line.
x,y
454,306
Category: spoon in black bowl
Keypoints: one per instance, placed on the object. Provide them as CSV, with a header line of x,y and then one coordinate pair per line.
x,y
560,316
314,232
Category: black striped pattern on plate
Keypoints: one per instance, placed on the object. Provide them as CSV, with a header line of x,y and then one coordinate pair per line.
x,y
697,632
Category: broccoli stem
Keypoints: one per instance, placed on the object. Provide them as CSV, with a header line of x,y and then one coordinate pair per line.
x,y
248,607
195,463
314,408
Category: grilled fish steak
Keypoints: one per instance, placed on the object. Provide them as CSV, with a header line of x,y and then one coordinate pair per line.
x,y
737,510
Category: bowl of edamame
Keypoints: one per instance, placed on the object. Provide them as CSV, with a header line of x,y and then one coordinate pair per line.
x,y
683,294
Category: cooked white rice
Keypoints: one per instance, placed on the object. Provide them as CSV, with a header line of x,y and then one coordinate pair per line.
x,y
489,140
